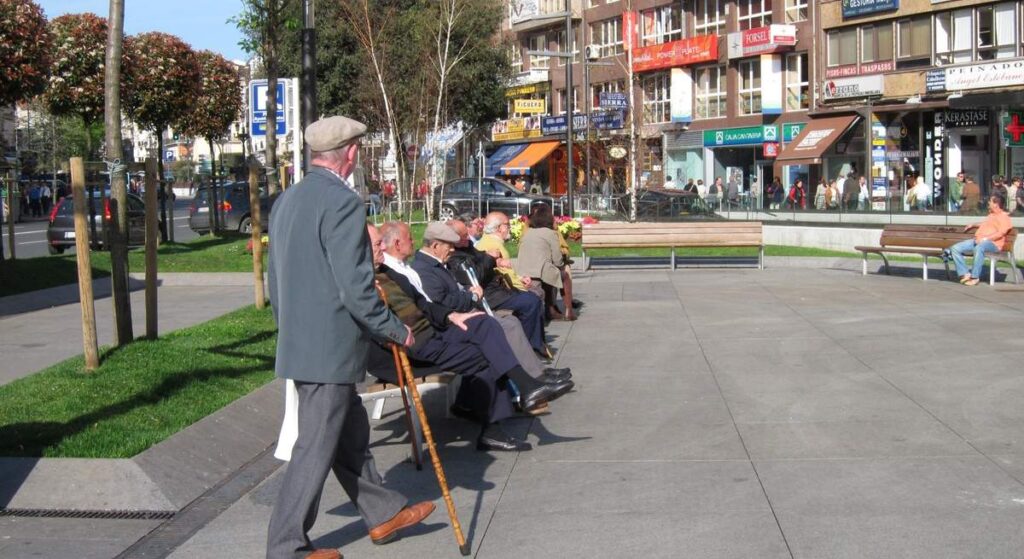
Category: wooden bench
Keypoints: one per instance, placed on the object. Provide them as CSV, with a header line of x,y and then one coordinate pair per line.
x,y
674,235
930,241
378,393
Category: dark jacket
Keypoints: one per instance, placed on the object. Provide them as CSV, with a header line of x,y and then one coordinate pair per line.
x,y
440,285
496,291
321,283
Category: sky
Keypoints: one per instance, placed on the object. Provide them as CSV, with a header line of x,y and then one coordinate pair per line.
x,y
200,23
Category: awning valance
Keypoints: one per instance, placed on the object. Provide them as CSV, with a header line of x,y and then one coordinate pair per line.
x,y
815,139
532,155
501,156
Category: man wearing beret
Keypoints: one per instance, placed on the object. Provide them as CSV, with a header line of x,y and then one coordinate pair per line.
x,y
327,310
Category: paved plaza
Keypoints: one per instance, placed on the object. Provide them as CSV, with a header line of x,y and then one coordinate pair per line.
x,y
801,411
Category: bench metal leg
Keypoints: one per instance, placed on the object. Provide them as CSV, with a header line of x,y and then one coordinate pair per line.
x,y
924,268
946,263
673,259
864,264
378,408
417,432
992,259
885,262
760,258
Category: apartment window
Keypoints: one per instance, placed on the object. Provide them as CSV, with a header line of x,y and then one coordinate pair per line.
x,y
551,6
750,87
914,42
515,55
710,84
539,42
983,33
796,10
563,47
709,16
754,13
798,97
876,42
607,35
661,25
656,98
596,90
576,108
842,46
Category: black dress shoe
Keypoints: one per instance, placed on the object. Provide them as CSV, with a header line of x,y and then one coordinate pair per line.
x,y
463,412
495,438
545,393
576,303
553,376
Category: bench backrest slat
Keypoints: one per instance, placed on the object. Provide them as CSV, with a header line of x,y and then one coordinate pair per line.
x,y
930,236
727,233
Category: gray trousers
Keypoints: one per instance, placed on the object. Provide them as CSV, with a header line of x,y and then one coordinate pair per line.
x,y
520,345
334,434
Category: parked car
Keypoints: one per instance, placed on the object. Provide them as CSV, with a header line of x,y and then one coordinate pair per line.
x,y
461,196
60,233
234,210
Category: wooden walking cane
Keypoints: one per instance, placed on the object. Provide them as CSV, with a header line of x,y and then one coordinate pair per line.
x,y
417,454
406,369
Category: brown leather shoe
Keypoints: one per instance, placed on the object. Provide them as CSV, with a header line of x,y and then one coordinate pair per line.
x,y
406,517
324,554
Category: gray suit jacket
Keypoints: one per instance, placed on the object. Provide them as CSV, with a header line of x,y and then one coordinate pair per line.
x,y
321,283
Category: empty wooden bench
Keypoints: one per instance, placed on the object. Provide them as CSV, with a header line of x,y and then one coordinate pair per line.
x,y
674,235
929,241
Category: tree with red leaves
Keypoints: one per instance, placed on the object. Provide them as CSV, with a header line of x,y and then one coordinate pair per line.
x,y
76,74
24,50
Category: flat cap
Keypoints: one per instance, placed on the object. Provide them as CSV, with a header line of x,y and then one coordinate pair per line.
x,y
437,231
333,132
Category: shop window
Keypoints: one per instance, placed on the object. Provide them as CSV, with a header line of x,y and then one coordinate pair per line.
x,y
750,87
796,10
842,46
709,17
656,98
798,96
607,35
754,13
564,47
876,43
661,25
617,86
710,91
914,42
539,42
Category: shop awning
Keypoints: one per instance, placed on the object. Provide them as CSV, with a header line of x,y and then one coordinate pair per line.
x,y
532,155
815,139
501,156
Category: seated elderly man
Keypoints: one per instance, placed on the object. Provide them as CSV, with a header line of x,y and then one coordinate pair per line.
x,y
526,306
496,232
470,344
435,284
989,236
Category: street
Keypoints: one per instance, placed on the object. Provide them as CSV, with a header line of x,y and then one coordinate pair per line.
x,y
30,236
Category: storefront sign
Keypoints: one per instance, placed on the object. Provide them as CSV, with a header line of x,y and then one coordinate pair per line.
x,y
790,131
935,153
681,95
519,91
761,40
530,106
976,76
522,10
860,70
605,120
771,149
968,118
854,8
1013,128
676,53
771,84
617,152
846,88
613,100
746,136
516,129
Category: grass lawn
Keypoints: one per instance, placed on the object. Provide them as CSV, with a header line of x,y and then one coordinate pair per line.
x,y
141,394
204,254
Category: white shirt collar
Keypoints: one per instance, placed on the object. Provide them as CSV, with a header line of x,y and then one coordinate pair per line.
x,y
410,274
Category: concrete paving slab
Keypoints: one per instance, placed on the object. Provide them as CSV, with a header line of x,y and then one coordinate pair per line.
x,y
819,355
79,484
928,508
65,538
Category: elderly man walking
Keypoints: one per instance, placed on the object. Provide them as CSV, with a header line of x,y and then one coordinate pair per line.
x,y
326,308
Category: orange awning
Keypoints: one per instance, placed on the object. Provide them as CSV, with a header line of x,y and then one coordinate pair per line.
x,y
532,155
815,139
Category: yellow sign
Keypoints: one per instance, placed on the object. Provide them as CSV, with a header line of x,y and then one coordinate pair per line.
x,y
530,106
528,89
516,129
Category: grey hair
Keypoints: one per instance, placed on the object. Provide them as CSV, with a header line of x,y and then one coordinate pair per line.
x,y
492,223
392,231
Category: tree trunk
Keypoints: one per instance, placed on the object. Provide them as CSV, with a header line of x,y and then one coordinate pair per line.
x,y
211,193
271,154
160,184
256,237
118,233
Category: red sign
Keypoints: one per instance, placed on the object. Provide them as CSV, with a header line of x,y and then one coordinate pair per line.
x,y
771,149
677,53
628,30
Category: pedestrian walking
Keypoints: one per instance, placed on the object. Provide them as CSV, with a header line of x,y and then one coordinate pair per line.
x,y
321,281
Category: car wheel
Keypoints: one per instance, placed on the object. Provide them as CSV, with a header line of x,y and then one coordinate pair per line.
x,y
245,227
447,213
55,250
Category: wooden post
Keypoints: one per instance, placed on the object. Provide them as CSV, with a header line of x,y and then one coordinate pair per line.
x,y
92,353
257,237
152,226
